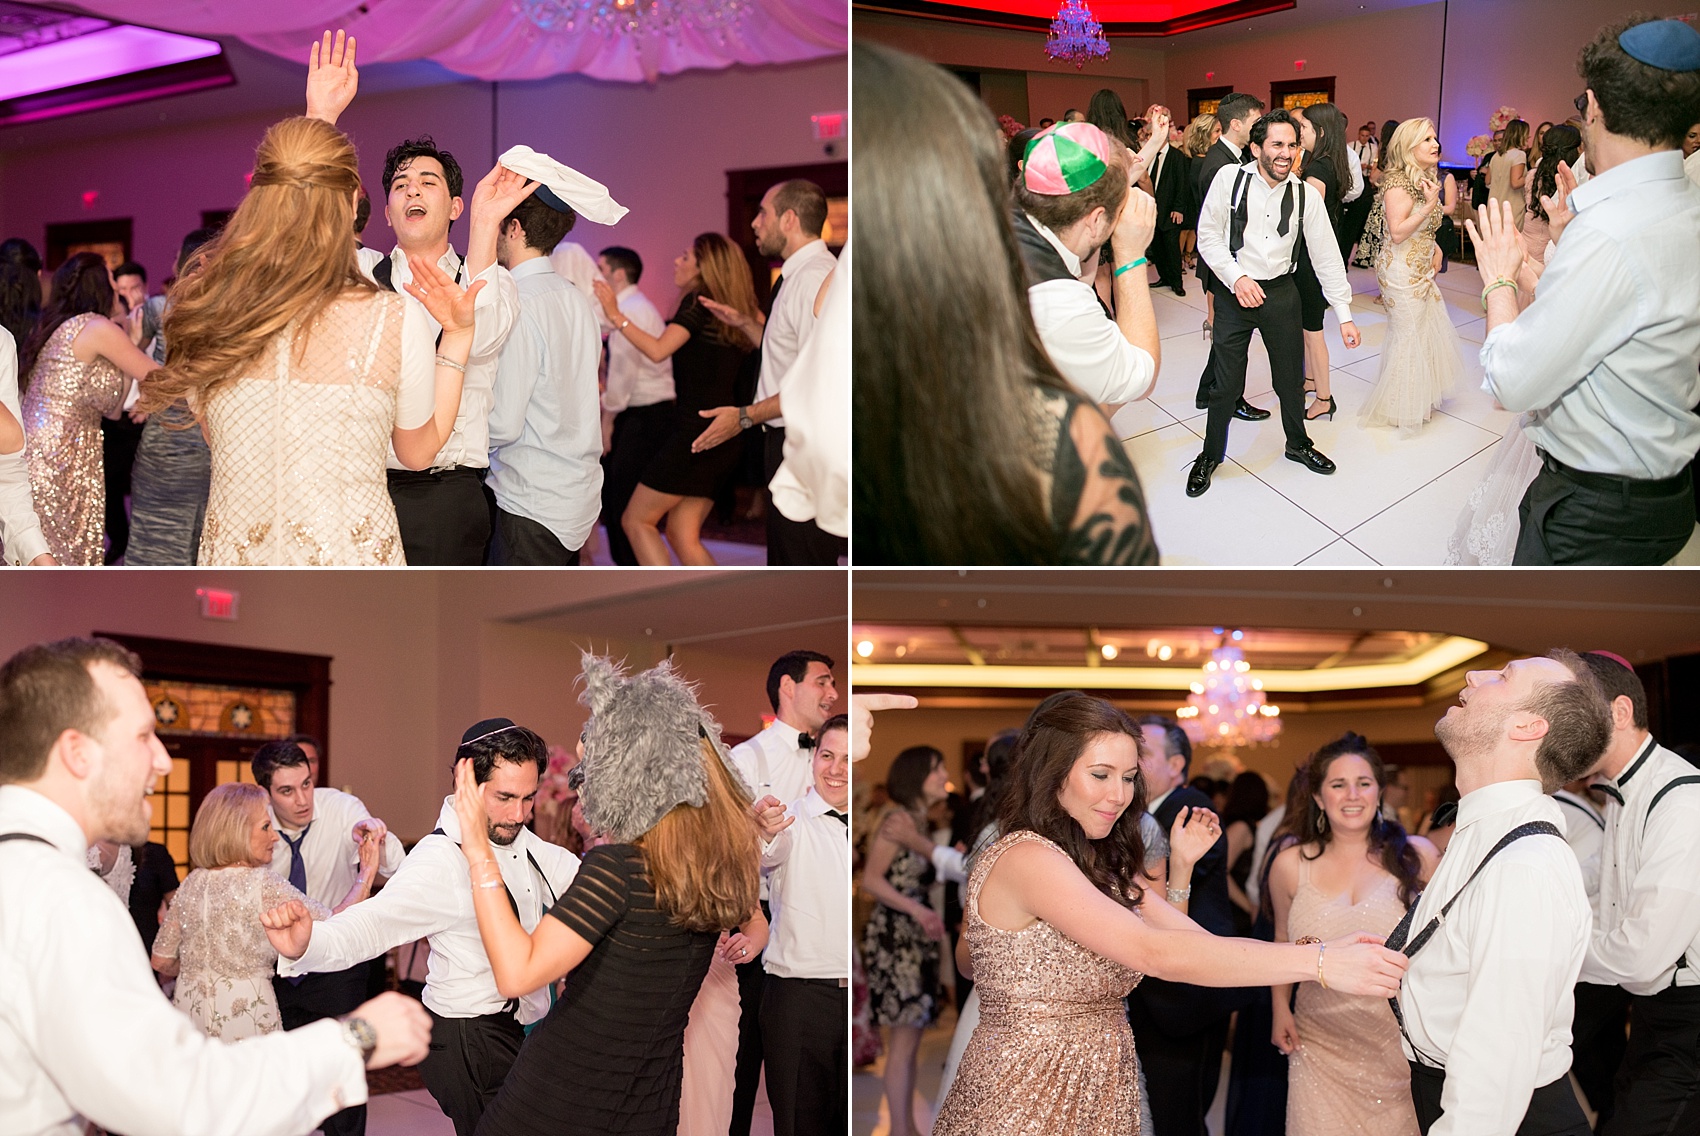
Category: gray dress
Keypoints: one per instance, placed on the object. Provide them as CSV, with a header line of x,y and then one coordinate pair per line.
x,y
172,474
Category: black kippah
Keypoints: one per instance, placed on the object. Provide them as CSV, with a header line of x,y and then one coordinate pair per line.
x,y
485,728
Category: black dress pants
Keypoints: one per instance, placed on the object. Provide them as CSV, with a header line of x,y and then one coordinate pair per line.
x,y
1553,1110
638,434
1599,1036
1660,1076
805,1047
325,996
119,438
746,1080
468,1060
791,542
442,514
1164,251
517,541
1574,517
1175,1072
1279,321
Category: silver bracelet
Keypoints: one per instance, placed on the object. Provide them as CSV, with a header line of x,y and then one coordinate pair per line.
x,y
1179,895
445,361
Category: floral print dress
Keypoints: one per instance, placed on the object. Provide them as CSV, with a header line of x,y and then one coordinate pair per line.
x,y
902,963
224,982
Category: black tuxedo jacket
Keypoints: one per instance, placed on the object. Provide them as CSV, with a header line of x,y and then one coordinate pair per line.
x,y
1173,191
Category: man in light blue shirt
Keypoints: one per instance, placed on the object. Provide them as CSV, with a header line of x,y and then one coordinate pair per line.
x,y
545,426
1606,361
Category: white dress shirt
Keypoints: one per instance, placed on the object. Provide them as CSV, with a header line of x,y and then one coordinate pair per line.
x,y
1490,996
808,869
792,319
1649,879
773,764
1605,356
545,427
1585,830
20,530
1691,167
430,897
496,307
813,482
329,848
1357,187
1262,835
1266,254
634,379
1085,344
86,1033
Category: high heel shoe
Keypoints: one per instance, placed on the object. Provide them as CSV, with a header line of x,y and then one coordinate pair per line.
x,y
1207,329
1312,416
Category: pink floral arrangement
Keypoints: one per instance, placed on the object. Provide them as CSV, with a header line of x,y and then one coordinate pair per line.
x,y
1009,126
1503,117
1479,146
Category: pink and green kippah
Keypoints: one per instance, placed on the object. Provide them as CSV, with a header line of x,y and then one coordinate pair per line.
x,y
1065,159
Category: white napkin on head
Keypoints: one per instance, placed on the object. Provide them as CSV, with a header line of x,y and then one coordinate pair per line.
x,y
589,198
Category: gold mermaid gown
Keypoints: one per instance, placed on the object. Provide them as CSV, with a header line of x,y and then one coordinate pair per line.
x,y
1053,1053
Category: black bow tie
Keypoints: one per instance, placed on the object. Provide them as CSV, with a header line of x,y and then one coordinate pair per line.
x,y
841,818
807,741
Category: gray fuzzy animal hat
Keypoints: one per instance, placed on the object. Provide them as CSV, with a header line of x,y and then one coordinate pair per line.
x,y
641,747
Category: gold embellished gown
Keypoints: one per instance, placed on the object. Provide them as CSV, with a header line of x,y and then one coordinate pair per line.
x,y
300,441
1348,1076
1420,360
1052,1053
62,409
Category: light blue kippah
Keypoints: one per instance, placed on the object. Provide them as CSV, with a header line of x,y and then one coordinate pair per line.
x,y
1669,45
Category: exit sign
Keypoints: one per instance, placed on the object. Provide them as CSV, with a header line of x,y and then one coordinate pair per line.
x,y
216,603
828,126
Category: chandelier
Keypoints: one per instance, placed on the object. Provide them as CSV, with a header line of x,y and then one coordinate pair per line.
x,y
638,18
1227,708
1076,35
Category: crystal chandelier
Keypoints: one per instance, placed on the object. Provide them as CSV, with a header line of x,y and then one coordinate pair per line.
x,y
1076,35
1227,708
638,18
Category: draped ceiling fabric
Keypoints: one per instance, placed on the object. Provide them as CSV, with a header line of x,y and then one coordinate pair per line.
x,y
491,40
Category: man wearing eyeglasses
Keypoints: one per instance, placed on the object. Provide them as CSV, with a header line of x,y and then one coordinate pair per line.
x,y
1604,360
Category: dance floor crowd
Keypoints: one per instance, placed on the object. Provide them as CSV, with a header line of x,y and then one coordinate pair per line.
x,y
1491,961
1022,294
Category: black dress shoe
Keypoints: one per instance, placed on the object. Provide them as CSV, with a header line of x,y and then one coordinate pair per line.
x,y
1248,412
1311,460
1199,479
1179,291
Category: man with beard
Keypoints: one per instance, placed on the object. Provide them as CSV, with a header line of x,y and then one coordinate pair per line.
x,y
85,1033
476,1033
793,214
1498,938
1249,238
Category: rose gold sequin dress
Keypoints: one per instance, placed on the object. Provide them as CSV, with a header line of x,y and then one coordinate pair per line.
x,y
62,409
1053,1053
1348,1075
299,444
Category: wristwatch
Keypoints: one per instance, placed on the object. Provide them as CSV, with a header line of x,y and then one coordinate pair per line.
x,y
744,419
359,1034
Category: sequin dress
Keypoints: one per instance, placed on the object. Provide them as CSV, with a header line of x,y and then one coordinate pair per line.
x,y
1053,1053
62,409
299,443
902,963
1348,1076
1420,358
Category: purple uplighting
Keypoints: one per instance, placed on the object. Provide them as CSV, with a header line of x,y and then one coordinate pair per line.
x,y
105,54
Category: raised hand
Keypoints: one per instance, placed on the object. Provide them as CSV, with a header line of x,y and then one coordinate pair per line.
x,y
610,303
769,814
1134,227
862,707
1499,246
1359,964
289,928
470,811
1194,833
370,826
498,192
449,304
1559,213
1431,193
331,77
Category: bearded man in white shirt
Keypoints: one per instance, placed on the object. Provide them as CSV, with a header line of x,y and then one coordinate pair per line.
x,y
1497,938
1646,939
476,1033
85,1033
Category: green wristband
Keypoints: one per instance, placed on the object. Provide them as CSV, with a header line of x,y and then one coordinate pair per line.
x,y
1131,265
1500,283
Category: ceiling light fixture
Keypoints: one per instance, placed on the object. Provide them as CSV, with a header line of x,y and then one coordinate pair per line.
x,y
640,19
1227,707
1076,35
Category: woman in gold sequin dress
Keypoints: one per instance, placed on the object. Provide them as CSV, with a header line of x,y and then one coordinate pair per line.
x,y
302,372
77,365
1353,871
1060,926
1420,361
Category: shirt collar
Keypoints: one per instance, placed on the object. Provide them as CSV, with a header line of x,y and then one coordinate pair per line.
x,y
1635,764
536,266
808,252
1158,803
786,732
1665,165
1237,151
44,817
813,804
449,262
1070,261
1495,798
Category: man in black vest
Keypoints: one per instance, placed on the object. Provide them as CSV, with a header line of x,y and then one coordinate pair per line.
x,y
1236,113
1249,234
1182,1029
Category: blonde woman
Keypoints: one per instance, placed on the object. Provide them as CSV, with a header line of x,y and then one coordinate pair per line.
x,y
1509,168
1420,360
302,373
680,483
212,939
1201,134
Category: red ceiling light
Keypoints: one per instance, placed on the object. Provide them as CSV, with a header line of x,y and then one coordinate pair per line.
x,y
1118,17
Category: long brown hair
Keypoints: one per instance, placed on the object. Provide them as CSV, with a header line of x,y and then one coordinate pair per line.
x,y
725,279
702,860
1387,839
1051,742
81,285
286,253
944,331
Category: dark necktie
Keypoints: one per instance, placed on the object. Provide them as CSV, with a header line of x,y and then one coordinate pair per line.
x,y
841,818
773,297
1286,210
297,875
